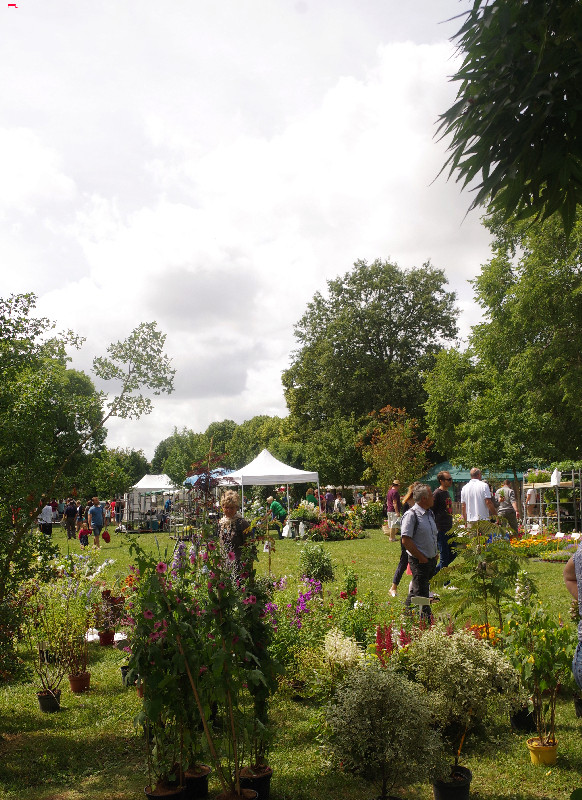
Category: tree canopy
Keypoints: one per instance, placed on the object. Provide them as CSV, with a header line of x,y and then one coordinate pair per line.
x,y
512,399
368,342
515,123
52,418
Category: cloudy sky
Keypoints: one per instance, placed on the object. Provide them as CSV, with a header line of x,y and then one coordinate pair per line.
x,y
209,164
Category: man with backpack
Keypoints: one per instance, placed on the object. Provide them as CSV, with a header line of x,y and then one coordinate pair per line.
x,y
419,538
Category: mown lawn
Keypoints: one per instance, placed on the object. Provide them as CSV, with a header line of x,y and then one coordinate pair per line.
x,y
92,749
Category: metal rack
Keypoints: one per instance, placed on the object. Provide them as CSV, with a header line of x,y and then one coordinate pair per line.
x,y
566,510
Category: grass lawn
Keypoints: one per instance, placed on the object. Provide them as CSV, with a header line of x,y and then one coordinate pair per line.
x,y
91,748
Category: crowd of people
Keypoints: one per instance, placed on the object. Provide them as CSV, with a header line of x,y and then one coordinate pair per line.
x,y
82,519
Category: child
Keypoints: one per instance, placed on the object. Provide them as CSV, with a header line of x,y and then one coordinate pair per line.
x,y
84,536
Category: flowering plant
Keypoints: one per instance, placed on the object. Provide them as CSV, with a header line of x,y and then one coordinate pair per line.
x,y
199,639
305,511
541,650
108,610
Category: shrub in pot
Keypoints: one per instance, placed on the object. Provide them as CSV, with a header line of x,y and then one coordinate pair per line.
x,y
467,679
46,627
379,726
541,650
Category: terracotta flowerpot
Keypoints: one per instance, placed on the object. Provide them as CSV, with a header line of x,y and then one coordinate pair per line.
x,y
106,638
49,701
80,683
260,782
542,754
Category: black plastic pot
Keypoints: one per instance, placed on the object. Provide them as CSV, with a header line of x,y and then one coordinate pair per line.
x,y
523,721
260,783
455,788
196,785
49,701
124,680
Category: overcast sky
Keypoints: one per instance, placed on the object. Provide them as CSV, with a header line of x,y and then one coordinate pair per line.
x,y
209,164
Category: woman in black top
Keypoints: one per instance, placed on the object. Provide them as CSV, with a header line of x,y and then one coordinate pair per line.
x,y
407,503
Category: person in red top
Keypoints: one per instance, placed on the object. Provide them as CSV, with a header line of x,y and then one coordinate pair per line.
x,y
393,504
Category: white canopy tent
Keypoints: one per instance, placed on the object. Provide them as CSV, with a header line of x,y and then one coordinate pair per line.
x,y
139,498
266,470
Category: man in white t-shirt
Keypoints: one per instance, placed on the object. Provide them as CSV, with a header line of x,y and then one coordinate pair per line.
x,y
476,502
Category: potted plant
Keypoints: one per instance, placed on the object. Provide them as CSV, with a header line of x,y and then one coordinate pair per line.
x,y
77,645
45,628
541,651
379,726
108,612
467,680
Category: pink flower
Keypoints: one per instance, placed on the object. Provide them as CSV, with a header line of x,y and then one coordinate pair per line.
x,y
148,613
204,556
231,555
193,558
161,568
210,586
211,546
202,670
252,599
221,585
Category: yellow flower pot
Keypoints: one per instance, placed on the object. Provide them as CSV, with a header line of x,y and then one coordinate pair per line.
x,y
542,754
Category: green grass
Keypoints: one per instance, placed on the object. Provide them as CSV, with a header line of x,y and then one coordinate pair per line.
x,y
91,748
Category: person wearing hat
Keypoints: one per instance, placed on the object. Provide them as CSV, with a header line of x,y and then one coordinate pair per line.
x,y
277,510
393,504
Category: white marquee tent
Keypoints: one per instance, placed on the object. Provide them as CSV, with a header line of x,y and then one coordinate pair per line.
x,y
139,498
266,470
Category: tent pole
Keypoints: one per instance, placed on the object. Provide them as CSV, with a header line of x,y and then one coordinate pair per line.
x,y
318,494
242,491
288,504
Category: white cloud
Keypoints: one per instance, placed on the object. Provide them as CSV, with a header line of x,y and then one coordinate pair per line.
x,y
211,167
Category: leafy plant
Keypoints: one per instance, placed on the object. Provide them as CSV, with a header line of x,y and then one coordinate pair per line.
x,y
484,571
380,727
305,512
467,679
315,562
541,651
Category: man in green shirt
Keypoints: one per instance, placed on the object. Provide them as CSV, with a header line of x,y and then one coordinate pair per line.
x,y
277,510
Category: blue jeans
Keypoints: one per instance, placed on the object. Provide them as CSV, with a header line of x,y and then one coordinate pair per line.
x,y
446,552
577,665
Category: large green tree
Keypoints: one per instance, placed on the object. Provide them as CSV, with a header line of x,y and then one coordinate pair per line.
x,y
512,400
52,419
515,124
368,343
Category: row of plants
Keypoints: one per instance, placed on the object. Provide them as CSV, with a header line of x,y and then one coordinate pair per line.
x,y
56,614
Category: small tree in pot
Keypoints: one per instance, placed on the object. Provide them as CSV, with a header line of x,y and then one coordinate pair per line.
x,y
542,652
467,679
380,727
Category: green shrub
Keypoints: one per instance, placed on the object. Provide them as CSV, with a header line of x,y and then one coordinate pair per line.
x,y
372,515
380,727
315,562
